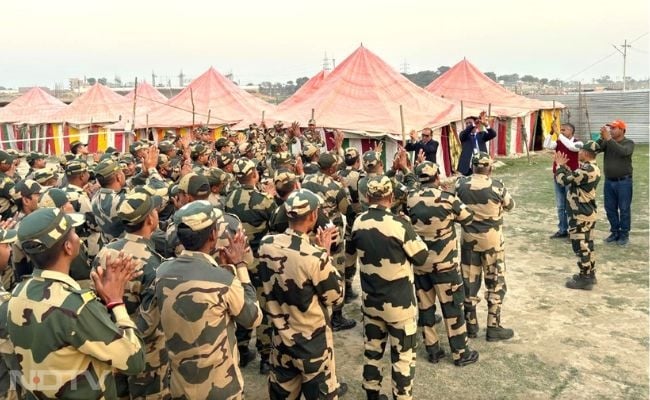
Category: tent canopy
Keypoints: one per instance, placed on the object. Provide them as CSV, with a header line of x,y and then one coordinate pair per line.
x,y
363,93
464,82
148,97
211,93
305,90
34,107
99,105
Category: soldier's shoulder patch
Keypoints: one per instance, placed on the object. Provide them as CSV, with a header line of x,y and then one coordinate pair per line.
x,y
88,295
4,297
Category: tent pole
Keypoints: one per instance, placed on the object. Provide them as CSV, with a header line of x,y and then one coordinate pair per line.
x,y
193,111
489,110
312,113
462,111
401,117
262,116
208,121
135,98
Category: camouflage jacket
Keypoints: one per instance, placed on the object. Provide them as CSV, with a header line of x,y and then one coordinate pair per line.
x,y
312,136
105,204
7,207
68,346
8,360
351,179
89,232
488,199
254,209
387,247
336,203
300,283
197,303
581,190
433,213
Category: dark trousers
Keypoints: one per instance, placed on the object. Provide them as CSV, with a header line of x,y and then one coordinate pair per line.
x,y
618,199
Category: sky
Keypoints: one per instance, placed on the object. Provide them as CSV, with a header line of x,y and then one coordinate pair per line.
x,y
47,42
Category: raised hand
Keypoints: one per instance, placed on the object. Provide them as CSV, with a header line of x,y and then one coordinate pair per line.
x,y
150,158
379,147
111,278
295,129
325,237
414,135
561,159
421,156
237,247
338,138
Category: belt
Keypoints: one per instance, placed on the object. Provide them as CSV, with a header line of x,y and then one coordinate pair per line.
x,y
622,178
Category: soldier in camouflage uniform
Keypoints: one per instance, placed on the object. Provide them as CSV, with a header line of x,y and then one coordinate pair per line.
x,y
433,213
26,194
254,209
300,285
8,384
47,176
35,161
7,173
482,246
387,248
312,135
581,199
310,156
351,176
373,166
218,181
197,302
139,213
338,209
200,155
69,345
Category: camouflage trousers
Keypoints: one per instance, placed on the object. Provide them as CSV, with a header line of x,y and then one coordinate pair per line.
x,y
264,330
488,265
580,233
350,265
339,260
152,383
402,338
446,283
313,378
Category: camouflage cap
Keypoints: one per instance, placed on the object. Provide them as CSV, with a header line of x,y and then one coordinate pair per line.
x,y
302,202
232,132
198,149
15,153
106,168
426,170
216,176
252,126
327,160
309,149
45,227
351,153
163,160
283,176
278,123
277,141
53,197
282,157
44,174
154,188
33,156
197,215
8,236
194,184
243,167
245,147
6,157
111,150
591,146
225,159
203,129
311,122
65,158
170,135
26,188
126,159
371,159
379,186
481,159
166,146
136,206
76,167
221,142
76,144
136,146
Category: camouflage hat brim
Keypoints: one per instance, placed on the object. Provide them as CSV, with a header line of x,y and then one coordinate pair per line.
x,y
8,236
57,226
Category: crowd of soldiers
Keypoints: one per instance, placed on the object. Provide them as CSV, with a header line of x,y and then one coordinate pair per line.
x,y
143,274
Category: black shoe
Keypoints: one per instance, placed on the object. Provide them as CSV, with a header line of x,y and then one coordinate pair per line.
x,y
265,366
591,277
496,333
437,319
246,355
581,282
472,330
612,238
350,295
340,323
375,395
435,354
623,240
342,389
468,357
560,235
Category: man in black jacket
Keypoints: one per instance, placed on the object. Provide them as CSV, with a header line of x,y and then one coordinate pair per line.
x,y
427,144
473,138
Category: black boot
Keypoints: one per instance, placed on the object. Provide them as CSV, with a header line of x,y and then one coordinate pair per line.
x,y
265,365
496,333
436,319
590,276
469,357
350,295
581,281
342,389
435,353
246,355
374,395
340,323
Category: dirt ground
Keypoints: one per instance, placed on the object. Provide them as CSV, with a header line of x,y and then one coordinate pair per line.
x,y
568,344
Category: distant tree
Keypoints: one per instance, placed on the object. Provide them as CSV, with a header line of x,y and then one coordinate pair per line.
x,y
544,81
604,79
91,81
442,69
491,75
118,81
3,88
555,82
290,83
301,81
529,79
102,81
422,78
509,78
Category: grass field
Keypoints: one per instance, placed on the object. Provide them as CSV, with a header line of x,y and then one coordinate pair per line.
x,y
568,344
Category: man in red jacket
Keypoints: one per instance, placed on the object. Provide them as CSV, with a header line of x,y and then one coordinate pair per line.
x,y
564,143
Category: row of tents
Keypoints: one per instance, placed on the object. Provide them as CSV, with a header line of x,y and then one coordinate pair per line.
x,y
363,96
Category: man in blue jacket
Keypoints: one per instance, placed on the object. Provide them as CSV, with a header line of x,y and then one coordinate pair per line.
x,y
473,138
427,144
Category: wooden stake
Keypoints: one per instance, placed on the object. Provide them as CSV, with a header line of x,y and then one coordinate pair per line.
x,y
209,111
489,110
135,99
312,113
262,115
524,137
193,111
401,116
462,111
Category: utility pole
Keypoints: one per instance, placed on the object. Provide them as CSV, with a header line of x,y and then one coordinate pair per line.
x,y
405,67
153,78
326,63
624,53
180,79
